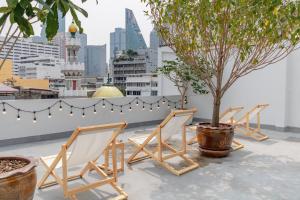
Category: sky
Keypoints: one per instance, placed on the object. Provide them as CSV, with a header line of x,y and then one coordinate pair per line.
x,y
104,17
107,15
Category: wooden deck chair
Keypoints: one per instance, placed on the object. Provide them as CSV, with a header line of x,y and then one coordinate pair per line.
x,y
226,117
243,124
175,122
83,148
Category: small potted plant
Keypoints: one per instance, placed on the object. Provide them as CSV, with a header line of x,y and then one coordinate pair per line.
x,y
233,39
181,75
17,177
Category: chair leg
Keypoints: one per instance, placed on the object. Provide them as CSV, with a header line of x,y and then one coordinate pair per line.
x,y
236,145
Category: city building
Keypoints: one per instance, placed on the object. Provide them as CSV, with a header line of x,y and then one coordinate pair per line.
x,y
134,37
154,40
95,64
127,64
73,69
117,41
26,47
41,67
8,78
142,85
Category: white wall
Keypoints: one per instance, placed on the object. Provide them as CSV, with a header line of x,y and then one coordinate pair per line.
x,y
61,121
166,87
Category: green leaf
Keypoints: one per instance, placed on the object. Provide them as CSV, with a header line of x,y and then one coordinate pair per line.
x,y
45,5
52,22
24,25
82,11
75,18
3,18
5,9
12,3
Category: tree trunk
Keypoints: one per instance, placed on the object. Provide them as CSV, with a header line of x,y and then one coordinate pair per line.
x,y
216,111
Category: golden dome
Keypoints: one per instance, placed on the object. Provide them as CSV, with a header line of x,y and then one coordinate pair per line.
x,y
107,91
73,28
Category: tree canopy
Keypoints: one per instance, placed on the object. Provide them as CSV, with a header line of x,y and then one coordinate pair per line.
x,y
238,36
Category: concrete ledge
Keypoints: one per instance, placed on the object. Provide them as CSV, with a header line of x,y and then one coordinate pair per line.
x,y
55,136
263,126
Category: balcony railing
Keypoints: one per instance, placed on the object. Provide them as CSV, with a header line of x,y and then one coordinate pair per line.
x,y
73,42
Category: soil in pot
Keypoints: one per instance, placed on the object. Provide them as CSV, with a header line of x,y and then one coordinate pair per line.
x,y
215,141
17,178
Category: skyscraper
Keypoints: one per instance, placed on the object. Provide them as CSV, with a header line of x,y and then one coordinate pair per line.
x,y
117,41
134,37
154,40
95,64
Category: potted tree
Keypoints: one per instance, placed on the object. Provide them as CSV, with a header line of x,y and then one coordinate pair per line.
x,y
181,75
233,38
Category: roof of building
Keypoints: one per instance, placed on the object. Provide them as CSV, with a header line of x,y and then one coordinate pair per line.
x,y
107,91
7,89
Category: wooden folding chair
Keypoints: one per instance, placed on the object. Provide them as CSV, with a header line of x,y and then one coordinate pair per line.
x,y
243,124
83,148
226,117
174,123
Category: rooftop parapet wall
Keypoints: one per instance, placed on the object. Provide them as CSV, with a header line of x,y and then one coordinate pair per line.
x,y
62,122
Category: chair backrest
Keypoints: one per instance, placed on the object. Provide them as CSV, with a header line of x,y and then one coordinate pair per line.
x,y
227,116
88,143
175,122
257,109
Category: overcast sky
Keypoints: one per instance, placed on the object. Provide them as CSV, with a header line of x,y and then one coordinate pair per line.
x,y
107,15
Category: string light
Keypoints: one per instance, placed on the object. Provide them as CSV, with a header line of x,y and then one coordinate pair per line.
x,y
49,114
121,109
95,111
130,109
60,106
34,117
71,111
112,108
104,103
137,102
18,116
4,109
83,113
185,100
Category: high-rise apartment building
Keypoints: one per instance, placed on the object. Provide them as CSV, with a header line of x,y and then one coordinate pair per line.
x,y
154,40
95,64
26,47
117,41
41,67
134,37
128,64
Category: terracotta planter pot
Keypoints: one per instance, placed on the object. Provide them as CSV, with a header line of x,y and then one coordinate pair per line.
x,y
18,184
215,141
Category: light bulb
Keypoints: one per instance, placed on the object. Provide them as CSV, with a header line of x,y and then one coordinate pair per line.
x,y
4,111
50,115
18,117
